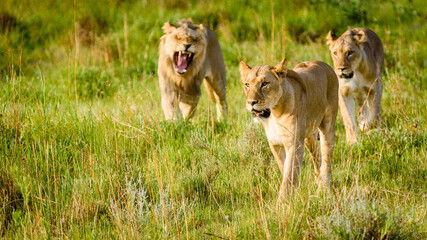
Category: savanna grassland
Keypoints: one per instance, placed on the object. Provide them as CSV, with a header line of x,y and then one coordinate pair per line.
x,y
85,151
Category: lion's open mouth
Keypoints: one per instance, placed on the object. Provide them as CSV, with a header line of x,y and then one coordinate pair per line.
x,y
182,61
261,113
343,75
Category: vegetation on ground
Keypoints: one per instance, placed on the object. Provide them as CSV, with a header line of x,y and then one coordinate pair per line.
x,y
85,151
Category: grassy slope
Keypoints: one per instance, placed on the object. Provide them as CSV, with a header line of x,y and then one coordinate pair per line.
x,y
85,152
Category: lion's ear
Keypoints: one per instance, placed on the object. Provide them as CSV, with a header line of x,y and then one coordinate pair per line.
x,y
280,69
168,27
330,38
244,70
360,37
201,29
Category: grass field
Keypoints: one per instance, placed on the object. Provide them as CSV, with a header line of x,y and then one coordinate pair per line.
x,y
85,151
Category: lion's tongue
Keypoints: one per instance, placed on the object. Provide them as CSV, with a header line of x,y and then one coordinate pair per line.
x,y
182,62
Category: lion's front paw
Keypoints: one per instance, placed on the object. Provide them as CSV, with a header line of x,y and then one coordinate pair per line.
x,y
364,125
285,191
351,139
317,178
324,180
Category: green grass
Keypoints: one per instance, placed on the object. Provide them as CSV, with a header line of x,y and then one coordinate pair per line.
x,y
85,151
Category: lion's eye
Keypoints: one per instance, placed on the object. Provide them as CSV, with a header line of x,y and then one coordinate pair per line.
x,y
264,84
247,85
335,54
349,53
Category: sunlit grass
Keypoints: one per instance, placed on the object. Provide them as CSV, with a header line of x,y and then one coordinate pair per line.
x,y
85,151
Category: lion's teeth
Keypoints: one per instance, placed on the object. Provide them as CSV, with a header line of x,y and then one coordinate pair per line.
x,y
185,70
189,55
180,53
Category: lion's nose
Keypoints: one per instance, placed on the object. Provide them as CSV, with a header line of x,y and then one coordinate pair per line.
x,y
187,46
252,102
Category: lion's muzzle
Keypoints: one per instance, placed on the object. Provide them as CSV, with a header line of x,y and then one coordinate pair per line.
x,y
261,113
182,60
346,75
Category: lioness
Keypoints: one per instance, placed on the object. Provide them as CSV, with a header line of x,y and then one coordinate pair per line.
x,y
190,53
293,105
358,60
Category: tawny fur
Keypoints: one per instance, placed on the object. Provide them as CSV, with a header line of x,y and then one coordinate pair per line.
x,y
181,92
358,51
303,103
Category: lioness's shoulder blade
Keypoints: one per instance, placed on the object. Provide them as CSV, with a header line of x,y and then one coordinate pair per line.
x,y
295,76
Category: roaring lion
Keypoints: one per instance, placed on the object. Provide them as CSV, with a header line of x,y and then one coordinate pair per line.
x,y
358,61
189,54
293,106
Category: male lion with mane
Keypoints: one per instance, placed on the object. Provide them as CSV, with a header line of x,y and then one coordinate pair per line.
x,y
295,106
189,54
358,61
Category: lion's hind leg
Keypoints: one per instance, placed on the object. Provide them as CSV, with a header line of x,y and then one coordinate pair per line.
x,y
216,89
313,148
327,145
363,114
373,100
346,104
327,142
